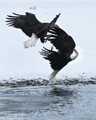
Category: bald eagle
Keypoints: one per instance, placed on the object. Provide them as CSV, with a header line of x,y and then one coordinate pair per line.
x,y
32,27
66,50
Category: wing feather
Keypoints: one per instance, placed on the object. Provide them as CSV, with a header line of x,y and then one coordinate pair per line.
x,y
62,41
29,24
24,22
57,60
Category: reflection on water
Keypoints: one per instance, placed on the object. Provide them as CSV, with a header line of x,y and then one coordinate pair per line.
x,y
61,92
75,102
28,100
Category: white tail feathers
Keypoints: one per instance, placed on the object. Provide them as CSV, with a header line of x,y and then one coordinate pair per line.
x,y
53,74
31,42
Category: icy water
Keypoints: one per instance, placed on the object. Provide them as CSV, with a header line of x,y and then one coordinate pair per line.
x,y
36,100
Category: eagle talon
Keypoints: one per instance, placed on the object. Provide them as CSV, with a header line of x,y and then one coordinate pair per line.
x,y
47,37
52,48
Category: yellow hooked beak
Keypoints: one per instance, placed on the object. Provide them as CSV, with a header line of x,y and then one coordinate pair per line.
x,y
75,50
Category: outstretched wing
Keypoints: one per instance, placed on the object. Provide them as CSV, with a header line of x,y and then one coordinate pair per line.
x,y
24,22
57,60
61,40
